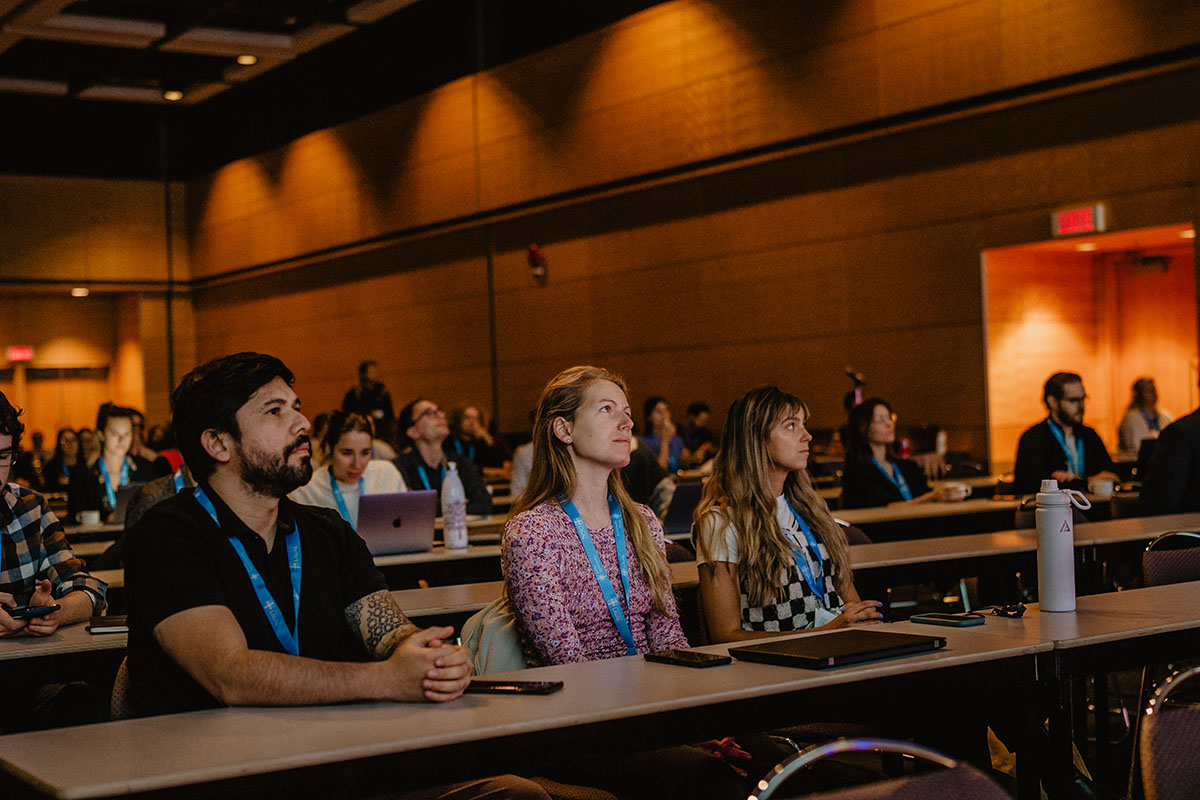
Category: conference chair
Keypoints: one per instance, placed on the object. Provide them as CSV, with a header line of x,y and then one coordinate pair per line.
x,y
118,705
957,780
1170,741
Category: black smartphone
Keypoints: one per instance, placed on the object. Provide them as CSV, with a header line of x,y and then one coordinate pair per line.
x,y
24,612
689,658
953,620
477,686
118,623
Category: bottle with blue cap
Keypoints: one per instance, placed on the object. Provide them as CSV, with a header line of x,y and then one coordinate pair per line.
x,y
1056,545
454,508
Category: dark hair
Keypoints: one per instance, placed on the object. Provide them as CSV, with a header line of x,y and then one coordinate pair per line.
x,y
341,422
1056,383
209,397
112,411
858,447
364,366
58,451
648,407
697,408
9,422
405,421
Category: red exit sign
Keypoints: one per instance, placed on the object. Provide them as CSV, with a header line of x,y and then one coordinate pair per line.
x,y
20,353
1069,221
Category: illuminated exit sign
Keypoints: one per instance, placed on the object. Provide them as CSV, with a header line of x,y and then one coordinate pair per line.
x,y
20,353
1070,221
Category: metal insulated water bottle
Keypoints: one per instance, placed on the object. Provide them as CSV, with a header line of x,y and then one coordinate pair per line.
x,y
1056,546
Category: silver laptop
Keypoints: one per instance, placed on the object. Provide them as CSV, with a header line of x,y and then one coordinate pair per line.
x,y
397,523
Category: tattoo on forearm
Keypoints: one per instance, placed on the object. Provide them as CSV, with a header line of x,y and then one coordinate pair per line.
x,y
377,618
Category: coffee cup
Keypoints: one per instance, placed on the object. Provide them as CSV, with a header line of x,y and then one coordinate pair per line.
x,y
957,491
1101,487
88,517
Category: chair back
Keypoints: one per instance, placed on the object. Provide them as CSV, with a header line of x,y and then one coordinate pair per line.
x,y
678,518
1172,558
493,640
119,706
1168,743
958,780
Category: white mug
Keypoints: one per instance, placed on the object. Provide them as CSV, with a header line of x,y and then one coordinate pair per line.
x,y
1101,487
961,491
89,517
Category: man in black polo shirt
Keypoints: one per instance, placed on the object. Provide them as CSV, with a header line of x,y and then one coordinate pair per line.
x,y
237,596
1061,446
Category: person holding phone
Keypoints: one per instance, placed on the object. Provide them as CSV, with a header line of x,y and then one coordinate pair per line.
x,y
32,535
348,472
771,557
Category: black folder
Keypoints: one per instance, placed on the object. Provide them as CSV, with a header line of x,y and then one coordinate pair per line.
x,y
837,648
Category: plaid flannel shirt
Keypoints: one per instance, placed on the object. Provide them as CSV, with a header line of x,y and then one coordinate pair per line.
x,y
33,546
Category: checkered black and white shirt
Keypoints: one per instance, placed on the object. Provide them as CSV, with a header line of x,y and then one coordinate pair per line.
x,y
33,546
796,606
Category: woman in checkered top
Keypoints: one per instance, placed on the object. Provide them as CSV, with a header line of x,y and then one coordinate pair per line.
x,y
772,559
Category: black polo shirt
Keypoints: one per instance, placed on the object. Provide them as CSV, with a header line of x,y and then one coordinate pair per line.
x,y
177,558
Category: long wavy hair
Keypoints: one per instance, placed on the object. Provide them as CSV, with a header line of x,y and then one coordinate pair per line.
x,y
552,473
738,494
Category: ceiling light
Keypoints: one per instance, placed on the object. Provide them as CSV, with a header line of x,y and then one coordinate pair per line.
x,y
247,60
172,95
1086,247
80,291
1190,233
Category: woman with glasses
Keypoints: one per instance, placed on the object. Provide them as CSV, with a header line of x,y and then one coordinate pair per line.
x,y
423,431
68,456
347,472
873,475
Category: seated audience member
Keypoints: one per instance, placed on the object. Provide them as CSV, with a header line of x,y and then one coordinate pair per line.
x,y
96,487
646,480
423,464
1061,446
88,446
1143,419
772,559
68,457
872,476
229,628
142,501
138,446
31,464
521,463
370,398
699,443
469,437
1172,481
37,566
660,436
348,472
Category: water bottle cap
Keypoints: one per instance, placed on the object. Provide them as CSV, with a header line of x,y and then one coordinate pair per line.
x,y
450,465
1050,485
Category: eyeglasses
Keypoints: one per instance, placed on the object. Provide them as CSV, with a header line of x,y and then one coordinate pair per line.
x,y
881,420
1012,610
7,457
1073,399
432,411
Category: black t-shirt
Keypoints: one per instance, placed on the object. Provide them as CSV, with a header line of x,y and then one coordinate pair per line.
x,y
176,558
865,486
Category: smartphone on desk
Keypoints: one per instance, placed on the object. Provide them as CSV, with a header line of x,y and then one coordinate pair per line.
x,y
477,686
689,658
24,612
953,620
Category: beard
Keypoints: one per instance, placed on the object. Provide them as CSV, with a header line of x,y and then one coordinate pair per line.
x,y
275,476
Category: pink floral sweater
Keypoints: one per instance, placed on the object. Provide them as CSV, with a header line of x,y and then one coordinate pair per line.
x,y
560,609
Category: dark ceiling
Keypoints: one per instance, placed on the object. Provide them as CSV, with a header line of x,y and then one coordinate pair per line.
x,y
83,83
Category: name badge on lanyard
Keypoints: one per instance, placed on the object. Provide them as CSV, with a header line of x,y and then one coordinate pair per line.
x,y
178,476
801,560
896,478
341,502
617,613
109,492
1074,460
288,637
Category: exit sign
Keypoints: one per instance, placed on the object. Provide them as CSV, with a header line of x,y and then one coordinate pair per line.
x,y
1070,221
20,353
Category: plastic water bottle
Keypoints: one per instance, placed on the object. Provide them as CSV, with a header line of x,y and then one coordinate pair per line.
x,y
1056,546
454,508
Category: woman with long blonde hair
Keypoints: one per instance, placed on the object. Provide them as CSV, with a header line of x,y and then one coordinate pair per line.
x,y
584,566
772,558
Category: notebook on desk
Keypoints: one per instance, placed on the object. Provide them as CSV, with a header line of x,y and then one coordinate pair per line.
x,y
397,523
837,648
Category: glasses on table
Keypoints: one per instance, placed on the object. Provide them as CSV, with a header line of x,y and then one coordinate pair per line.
x,y
1012,610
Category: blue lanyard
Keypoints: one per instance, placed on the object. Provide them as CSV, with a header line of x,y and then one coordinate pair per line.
x,y
802,562
895,477
1151,420
606,588
109,491
1073,464
178,480
341,503
290,639
425,478
470,453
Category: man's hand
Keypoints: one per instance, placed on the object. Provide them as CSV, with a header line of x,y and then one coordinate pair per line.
x,y
1063,476
8,625
44,625
424,667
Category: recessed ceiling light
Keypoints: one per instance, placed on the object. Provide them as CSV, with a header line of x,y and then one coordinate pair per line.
x,y
80,291
1085,247
1190,233
247,60
172,95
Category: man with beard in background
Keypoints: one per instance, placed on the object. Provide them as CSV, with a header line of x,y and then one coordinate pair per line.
x,y
1061,446
214,576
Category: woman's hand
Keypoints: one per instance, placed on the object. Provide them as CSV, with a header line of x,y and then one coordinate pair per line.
x,y
948,493
858,613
